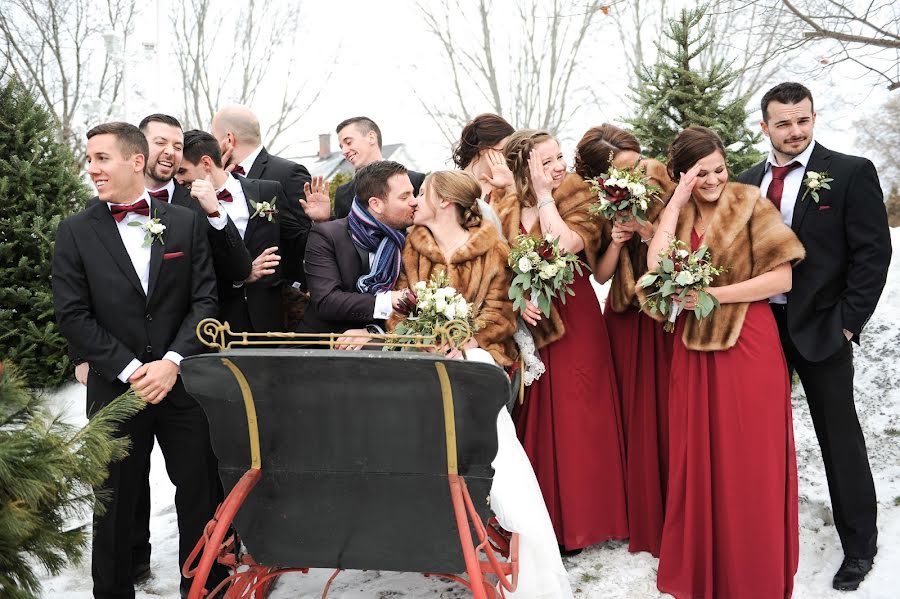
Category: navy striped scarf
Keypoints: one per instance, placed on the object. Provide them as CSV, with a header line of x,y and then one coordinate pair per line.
x,y
383,241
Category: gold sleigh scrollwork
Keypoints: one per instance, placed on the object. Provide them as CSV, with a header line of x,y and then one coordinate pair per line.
x,y
218,335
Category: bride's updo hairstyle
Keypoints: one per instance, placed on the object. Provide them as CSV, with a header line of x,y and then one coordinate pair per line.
x,y
691,145
517,149
592,152
458,188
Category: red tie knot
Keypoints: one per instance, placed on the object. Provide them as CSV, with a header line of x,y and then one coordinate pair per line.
x,y
119,211
780,172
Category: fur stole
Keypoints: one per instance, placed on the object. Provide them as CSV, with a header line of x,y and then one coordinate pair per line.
x,y
479,271
633,256
573,197
746,235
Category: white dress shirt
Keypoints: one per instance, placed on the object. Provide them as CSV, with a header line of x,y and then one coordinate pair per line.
x,y
247,162
133,240
238,209
793,181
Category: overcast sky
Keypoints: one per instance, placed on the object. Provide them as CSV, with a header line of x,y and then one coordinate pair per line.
x,y
379,54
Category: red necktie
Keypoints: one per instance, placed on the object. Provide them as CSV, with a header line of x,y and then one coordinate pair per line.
x,y
160,194
224,196
119,211
238,170
776,187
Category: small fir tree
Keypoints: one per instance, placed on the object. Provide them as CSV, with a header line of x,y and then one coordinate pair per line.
x,y
675,94
47,471
38,188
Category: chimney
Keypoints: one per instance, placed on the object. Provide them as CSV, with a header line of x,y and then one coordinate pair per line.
x,y
324,145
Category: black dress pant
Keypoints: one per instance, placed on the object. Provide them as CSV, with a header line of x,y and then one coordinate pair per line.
x,y
182,431
829,392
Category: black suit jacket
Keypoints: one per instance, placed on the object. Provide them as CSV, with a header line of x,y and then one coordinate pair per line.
x,y
343,195
262,297
295,224
333,265
102,310
848,251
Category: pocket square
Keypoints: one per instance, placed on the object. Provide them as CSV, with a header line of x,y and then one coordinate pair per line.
x,y
825,207
170,255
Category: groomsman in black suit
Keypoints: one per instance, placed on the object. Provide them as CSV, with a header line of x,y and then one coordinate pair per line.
x,y
360,141
254,303
237,130
835,291
335,262
129,304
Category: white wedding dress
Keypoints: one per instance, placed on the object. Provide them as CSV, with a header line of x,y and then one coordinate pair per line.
x,y
517,502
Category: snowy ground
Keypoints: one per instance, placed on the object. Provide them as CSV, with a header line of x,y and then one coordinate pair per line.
x,y
609,571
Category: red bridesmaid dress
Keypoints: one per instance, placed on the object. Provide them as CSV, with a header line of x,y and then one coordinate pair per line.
x,y
731,527
642,352
570,427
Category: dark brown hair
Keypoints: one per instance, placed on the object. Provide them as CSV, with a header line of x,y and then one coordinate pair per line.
x,y
691,145
482,132
363,123
592,152
371,181
129,138
784,93
165,119
198,144
516,151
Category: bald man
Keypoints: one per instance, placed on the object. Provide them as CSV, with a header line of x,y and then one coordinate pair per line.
x,y
237,130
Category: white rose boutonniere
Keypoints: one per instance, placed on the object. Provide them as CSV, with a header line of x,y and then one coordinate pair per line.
x,y
814,182
153,231
264,209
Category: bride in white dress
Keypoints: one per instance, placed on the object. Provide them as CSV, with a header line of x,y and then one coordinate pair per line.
x,y
449,236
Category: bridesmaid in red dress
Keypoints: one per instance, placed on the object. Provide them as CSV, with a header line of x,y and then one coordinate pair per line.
x,y
570,422
641,350
731,525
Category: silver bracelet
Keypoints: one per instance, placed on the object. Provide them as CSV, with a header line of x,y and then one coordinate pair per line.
x,y
545,202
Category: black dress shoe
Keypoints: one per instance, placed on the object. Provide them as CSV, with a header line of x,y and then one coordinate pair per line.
x,y
563,552
852,572
141,573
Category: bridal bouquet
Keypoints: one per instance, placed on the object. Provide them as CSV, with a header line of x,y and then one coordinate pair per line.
x,y
680,271
436,303
620,190
543,271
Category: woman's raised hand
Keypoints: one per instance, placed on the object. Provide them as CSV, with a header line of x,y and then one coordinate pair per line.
x,y
541,181
622,232
686,184
500,176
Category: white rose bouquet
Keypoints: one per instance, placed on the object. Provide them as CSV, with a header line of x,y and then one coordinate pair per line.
x,y
436,304
543,271
679,272
623,190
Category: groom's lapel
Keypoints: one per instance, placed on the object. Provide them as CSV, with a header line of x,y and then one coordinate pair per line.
x,y
819,162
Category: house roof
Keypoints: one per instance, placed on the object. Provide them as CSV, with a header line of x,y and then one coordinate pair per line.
x,y
335,163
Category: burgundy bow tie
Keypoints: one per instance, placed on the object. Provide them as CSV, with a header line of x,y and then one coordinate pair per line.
x,y
238,170
119,211
224,196
160,194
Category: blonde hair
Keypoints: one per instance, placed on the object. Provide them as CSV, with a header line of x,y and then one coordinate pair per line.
x,y
460,188
517,150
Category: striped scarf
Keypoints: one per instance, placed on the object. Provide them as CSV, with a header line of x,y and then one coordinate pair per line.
x,y
384,241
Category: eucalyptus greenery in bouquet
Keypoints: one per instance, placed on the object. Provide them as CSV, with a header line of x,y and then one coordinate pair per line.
x,y
543,271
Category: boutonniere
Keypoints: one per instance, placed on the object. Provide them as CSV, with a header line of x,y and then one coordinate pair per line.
x,y
814,182
153,231
264,209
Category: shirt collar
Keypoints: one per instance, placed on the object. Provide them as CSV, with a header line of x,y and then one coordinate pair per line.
x,y
144,196
247,163
233,185
169,187
802,158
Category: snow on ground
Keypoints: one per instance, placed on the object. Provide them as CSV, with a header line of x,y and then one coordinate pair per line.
x,y
609,571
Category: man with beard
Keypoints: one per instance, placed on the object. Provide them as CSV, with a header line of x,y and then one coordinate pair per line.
x,y
360,141
352,263
843,226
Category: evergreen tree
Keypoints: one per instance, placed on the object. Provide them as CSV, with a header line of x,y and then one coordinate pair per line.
x,y
47,471
38,188
673,95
